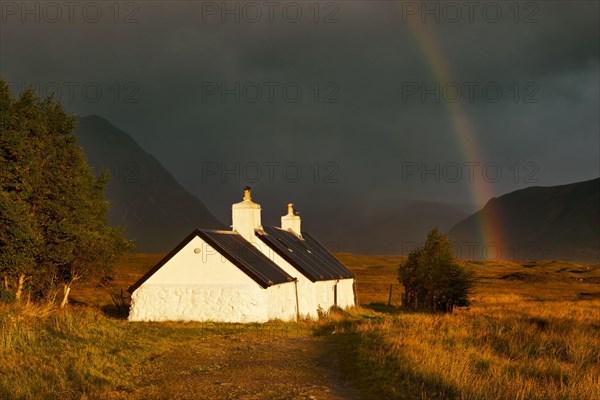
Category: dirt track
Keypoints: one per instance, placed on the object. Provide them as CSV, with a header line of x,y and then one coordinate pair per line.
x,y
248,367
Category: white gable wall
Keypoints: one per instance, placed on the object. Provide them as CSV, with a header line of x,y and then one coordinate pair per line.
x,y
206,267
205,286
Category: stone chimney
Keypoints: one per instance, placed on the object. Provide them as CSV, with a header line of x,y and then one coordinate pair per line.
x,y
291,221
245,217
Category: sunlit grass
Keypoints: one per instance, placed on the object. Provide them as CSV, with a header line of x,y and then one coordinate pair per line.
x,y
80,352
532,333
532,337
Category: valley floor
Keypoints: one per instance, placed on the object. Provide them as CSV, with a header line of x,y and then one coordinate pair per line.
x,y
533,332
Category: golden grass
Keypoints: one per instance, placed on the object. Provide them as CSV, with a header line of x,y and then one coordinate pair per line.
x,y
374,274
81,353
532,333
89,351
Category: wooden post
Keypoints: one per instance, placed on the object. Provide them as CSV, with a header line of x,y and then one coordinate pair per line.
x,y
390,297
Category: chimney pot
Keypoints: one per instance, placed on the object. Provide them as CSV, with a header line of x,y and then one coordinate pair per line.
x,y
247,190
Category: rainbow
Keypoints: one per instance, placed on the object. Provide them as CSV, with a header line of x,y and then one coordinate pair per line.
x,y
490,228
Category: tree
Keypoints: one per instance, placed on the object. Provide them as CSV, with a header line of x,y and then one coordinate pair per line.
x,y
56,229
19,238
433,278
18,241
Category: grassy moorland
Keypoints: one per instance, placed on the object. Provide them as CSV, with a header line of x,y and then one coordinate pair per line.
x,y
83,353
533,332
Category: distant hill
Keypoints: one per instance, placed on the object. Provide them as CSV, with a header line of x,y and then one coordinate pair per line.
x,y
560,222
392,226
556,222
156,210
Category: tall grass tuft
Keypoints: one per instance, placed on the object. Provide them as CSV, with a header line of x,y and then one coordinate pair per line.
x,y
48,353
514,350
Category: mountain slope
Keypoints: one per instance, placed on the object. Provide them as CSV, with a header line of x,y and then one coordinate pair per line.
x,y
156,210
394,226
544,222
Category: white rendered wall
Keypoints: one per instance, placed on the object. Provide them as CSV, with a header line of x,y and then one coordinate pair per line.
x,y
281,302
325,294
312,295
198,303
345,293
205,286
206,267
307,298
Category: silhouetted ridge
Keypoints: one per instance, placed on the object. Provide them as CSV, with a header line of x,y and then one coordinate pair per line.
x,y
156,210
543,222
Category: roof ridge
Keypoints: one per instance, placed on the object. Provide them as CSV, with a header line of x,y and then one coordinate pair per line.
x,y
219,231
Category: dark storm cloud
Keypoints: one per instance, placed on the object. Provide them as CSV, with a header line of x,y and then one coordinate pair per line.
x,y
175,49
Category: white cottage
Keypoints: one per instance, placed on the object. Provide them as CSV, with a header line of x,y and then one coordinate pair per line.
x,y
323,281
250,274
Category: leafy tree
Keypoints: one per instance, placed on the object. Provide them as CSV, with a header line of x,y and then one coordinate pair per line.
x,y
19,238
19,242
56,229
432,278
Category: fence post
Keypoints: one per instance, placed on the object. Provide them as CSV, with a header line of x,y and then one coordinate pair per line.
x,y
390,297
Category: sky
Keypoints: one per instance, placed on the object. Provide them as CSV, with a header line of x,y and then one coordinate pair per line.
x,y
360,102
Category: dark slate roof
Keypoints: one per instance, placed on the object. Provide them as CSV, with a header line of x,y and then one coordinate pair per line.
x,y
305,254
246,257
236,249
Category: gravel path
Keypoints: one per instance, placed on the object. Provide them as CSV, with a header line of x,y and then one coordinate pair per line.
x,y
248,367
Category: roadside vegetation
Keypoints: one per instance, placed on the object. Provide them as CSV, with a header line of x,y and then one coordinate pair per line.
x,y
532,332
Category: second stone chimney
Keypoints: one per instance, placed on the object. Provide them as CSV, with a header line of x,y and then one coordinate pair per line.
x,y
245,217
291,221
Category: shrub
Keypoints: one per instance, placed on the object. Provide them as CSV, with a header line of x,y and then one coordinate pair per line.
x,y
432,278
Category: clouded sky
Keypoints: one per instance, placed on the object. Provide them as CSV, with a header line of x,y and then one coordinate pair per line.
x,y
355,101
